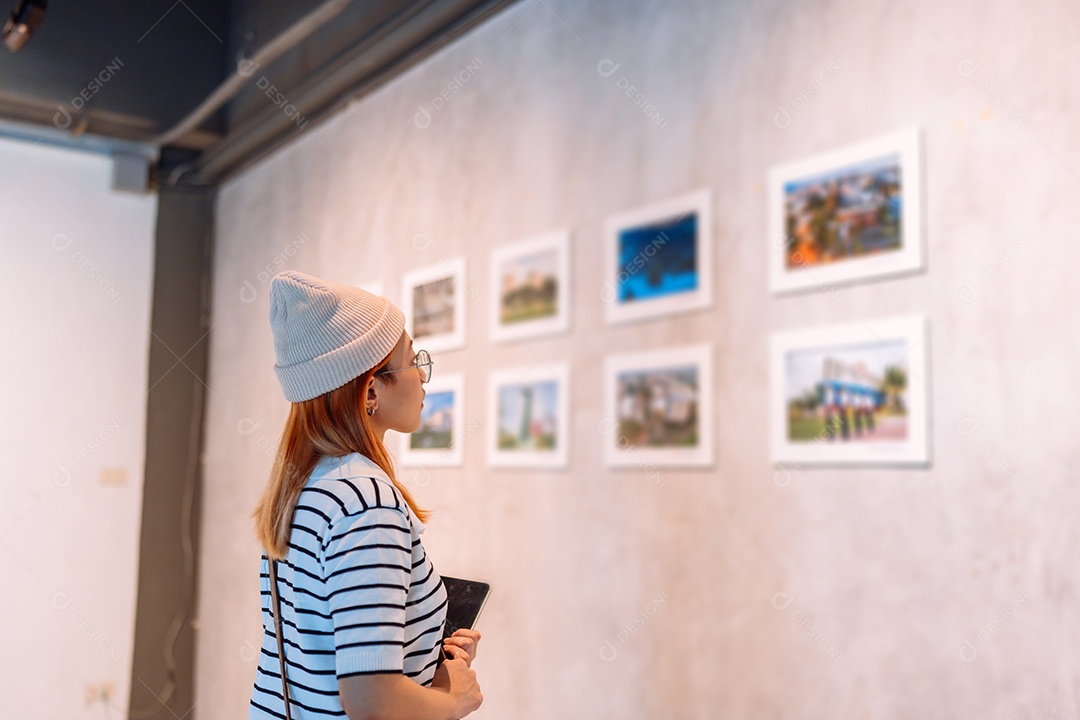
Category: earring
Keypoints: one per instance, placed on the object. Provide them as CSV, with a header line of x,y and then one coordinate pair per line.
x,y
370,411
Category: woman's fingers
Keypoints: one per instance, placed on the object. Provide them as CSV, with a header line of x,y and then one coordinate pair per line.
x,y
456,652
469,642
467,632
466,644
462,644
470,637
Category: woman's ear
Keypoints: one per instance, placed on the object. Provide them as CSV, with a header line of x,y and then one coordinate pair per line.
x,y
371,399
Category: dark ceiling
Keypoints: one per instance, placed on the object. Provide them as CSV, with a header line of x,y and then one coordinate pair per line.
x,y
129,72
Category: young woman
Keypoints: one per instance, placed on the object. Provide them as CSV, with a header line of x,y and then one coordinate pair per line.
x,y
362,608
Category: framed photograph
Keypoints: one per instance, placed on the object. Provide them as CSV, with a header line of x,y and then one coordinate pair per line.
x,y
530,288
847,215
659,409
851,394
433,300
439,440
658,259
529,424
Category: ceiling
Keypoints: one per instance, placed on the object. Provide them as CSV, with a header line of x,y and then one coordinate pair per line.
x,y
126,75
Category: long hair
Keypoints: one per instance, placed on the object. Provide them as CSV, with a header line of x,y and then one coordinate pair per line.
x,y
332,424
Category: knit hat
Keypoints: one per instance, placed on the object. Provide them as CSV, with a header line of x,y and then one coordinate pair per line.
x,y
326,334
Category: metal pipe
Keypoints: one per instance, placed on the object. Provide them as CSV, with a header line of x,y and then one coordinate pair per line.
x,y
270,52
318,93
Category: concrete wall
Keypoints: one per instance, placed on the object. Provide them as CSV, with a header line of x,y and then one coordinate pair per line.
x,y
893,571
75,301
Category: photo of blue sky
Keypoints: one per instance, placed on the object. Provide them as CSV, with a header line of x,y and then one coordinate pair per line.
x,y
888,166
804,367
528,415
658,259
435,402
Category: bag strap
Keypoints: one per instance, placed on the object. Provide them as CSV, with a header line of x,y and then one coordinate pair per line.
x,y
277,632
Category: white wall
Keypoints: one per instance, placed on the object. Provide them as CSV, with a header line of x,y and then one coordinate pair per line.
x,y
76,311
895,568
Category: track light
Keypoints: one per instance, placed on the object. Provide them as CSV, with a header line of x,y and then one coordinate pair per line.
x,y
23,22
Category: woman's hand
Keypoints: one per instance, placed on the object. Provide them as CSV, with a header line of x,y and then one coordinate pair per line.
x,y
462,645
462,686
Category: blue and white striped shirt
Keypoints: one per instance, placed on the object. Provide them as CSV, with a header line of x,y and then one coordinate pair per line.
x,y
358,593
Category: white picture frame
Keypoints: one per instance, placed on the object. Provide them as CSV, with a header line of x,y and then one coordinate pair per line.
x,y
653,401
444,411
647,251
817,249
441,327
540,256
509,407
822,379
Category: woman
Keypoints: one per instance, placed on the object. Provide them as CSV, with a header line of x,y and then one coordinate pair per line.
x,y
362,608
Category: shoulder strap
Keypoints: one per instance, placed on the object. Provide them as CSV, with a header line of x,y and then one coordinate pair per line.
x,y
277,632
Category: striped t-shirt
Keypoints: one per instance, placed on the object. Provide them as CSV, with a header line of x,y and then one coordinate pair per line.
x,y
358,593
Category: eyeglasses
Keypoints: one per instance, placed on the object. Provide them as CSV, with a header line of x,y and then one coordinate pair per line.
x,y
423,363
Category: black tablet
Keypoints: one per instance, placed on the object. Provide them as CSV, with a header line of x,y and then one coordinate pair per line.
x,y
465,600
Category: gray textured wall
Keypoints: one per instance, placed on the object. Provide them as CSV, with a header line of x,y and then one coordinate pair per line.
x,y
895,569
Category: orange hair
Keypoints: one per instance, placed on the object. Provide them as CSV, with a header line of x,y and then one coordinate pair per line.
x,y
333,424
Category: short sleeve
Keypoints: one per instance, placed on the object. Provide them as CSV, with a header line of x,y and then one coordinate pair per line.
x,y
367,564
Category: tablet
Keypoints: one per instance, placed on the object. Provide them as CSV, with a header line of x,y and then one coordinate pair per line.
x,y
464,601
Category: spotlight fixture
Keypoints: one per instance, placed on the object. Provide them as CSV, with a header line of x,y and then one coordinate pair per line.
x,y
23,22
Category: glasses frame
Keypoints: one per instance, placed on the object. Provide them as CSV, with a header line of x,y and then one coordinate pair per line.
x,y
425,366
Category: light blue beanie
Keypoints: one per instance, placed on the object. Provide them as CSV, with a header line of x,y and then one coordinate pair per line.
x,y
326,334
